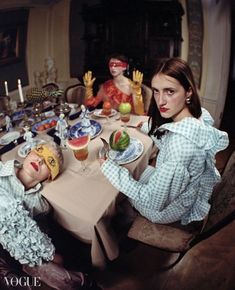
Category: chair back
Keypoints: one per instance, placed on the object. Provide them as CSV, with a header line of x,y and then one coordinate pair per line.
x,y
223,196
3,104
147,95
50,87
75,94
175,238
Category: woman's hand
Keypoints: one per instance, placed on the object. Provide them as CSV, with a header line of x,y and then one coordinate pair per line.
x,y
88,80
102,160
139,125
137,79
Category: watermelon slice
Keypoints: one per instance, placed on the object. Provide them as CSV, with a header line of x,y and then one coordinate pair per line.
x,y
119,140
79,143
117,136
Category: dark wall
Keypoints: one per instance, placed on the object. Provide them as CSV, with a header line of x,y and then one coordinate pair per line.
x,y
13,25
147,32
77,46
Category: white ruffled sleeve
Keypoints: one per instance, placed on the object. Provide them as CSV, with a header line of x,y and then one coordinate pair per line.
x,y
21,236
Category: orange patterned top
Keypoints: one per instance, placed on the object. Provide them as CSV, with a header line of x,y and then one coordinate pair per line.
x,y
111,93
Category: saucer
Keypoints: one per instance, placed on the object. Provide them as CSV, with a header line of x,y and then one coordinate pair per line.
x,y
9,137
76,130
132,152
98,113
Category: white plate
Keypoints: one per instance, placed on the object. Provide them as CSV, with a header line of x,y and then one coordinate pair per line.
x,y
49,114
76,130
19,115
133,151
98,113
9,137
25,148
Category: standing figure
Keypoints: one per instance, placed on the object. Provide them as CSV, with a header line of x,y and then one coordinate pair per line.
x,y
62,130
85,121
9,125
28,137
50,72
38,81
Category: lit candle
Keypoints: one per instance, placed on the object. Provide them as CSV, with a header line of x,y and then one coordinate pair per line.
x,y
20,91
6,88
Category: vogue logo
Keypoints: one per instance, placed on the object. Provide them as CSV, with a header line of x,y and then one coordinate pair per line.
x,y
23,281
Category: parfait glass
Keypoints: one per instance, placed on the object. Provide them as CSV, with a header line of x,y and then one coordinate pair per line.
x,y
81,154
107,118
125,113
125,118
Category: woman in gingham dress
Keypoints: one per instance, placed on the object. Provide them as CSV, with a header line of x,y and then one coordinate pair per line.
x,y
179,187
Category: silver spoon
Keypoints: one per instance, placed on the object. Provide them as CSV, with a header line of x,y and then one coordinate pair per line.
x,y
105,148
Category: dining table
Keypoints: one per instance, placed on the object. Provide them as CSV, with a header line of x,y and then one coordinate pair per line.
x,y
85,203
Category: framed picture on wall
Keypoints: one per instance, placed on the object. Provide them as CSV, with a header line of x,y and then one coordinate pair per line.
x,y
10,38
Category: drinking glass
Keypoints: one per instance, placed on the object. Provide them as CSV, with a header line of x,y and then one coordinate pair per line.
x,y
81,155
125,118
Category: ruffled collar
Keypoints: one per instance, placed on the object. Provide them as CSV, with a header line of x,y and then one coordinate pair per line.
x,y
200,132
8,169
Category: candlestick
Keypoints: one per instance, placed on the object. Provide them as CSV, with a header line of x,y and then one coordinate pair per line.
x,y
6,88
20,91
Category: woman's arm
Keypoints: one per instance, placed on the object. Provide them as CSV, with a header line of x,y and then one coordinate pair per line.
x,y
36,204
21,236
166,182
90,100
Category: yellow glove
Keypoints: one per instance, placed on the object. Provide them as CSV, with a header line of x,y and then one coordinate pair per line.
x,y
88,82
137,77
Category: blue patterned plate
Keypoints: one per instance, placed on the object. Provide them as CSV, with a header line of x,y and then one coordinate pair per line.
x,y
133,151
44,122
76,130
19,115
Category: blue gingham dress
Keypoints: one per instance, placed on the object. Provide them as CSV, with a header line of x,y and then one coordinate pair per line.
x,y
179,187
19,233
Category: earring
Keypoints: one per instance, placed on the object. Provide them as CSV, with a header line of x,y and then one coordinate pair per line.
x,y
128,70
188,100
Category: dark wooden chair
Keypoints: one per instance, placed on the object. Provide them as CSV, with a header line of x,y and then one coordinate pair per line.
x,y
50,87
147,95
75,94
177,238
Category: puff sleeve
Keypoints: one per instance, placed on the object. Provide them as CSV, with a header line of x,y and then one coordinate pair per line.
x,y
20,235
155,198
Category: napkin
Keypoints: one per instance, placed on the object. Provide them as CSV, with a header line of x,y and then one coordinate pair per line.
x,y
75,115
49,108
51,133
13,144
